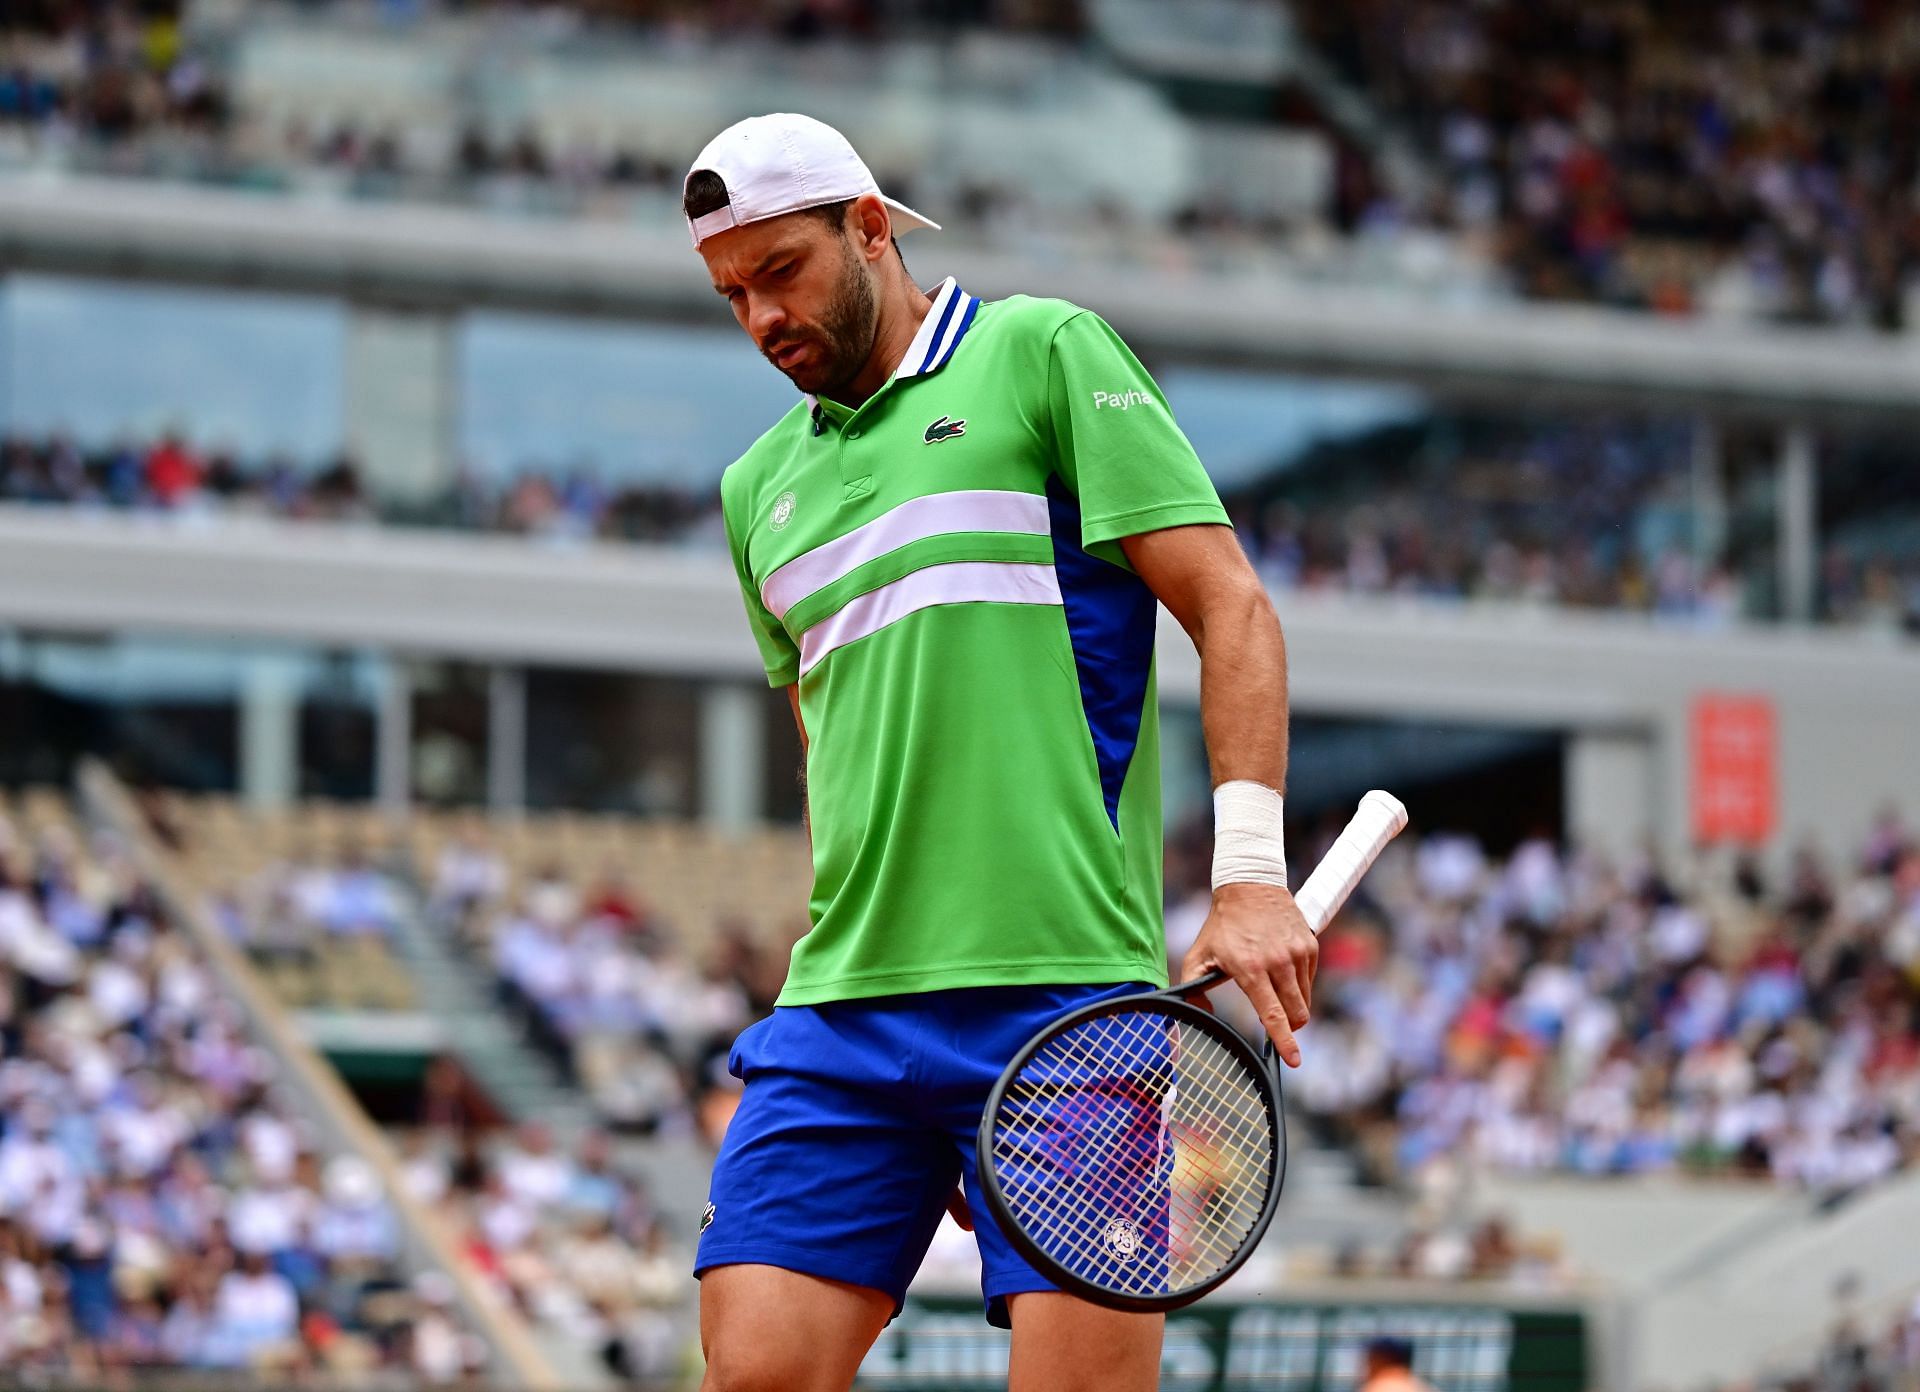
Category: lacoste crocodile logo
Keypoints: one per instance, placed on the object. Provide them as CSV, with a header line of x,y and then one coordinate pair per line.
x,y
944,429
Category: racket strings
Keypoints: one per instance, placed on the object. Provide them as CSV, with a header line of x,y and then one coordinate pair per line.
x,y
1137,1151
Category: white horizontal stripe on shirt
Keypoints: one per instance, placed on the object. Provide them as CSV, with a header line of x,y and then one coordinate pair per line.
x,y
957,582
936,514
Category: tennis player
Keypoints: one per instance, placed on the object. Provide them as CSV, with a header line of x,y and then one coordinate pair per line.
x,y
950,551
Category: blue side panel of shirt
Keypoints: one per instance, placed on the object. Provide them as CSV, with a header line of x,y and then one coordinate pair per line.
x,y
1110,619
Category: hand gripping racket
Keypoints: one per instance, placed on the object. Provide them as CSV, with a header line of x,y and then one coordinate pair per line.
x,y
1133,1151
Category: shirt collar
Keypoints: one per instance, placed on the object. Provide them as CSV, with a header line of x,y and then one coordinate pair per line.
x,y
948,319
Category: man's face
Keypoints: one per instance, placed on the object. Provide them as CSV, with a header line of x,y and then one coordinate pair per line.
x,y
803,293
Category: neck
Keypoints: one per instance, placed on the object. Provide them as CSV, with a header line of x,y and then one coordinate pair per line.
x,y
902,308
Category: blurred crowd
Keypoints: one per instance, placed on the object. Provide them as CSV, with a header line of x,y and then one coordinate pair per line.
x,y
1439,545
1863,1355
566,1236
794,20
1752,157
160,1206
171,474
106,70
1737,157
1591,517
1593,511
1553,1011
565,1233
606,986
321,929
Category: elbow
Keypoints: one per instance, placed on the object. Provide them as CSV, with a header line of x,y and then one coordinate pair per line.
x,y
1252,605
1238,611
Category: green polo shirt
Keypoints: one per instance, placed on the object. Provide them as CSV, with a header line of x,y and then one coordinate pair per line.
x,y
940,572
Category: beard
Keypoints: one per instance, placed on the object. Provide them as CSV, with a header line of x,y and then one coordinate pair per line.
x,y
844,337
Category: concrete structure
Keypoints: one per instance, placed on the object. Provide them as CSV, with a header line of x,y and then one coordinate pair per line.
x,y
409,273
1620,687
341,1126
418,258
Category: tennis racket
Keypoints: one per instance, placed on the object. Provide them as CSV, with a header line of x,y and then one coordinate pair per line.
x,y
1133,1151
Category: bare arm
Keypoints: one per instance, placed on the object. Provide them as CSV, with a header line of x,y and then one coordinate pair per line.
x,y
1254,932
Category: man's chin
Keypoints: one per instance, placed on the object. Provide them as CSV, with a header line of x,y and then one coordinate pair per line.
x,y
812,380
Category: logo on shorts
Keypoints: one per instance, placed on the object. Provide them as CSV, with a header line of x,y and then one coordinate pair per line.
x,y
944,429
1122,1238
782,511
706,1218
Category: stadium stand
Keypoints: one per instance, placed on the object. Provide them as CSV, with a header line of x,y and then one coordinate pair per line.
x,y
303,897
1539,1011
1594,511
160,1203
1593,514
108,72
1695,162
1520,1014
1665,1101
1864,1355
174,475
610,939
1718,157
1548,1011
603,936
566,1236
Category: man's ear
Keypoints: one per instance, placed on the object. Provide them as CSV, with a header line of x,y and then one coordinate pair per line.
x,y
872,226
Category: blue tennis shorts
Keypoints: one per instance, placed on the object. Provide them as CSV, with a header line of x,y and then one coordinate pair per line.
x,y
857,1119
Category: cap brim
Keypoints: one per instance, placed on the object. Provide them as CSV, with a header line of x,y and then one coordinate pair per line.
x,y
905,219
723,220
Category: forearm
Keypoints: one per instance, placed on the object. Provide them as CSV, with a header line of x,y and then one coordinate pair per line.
x,y
1243,688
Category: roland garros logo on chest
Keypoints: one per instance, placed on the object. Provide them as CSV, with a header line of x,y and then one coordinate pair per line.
x,y
782,511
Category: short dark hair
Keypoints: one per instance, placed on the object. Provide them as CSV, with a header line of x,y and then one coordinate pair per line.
x,y
707,193
1397,1353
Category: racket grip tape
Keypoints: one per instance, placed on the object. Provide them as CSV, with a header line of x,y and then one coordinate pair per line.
x,y
1381,817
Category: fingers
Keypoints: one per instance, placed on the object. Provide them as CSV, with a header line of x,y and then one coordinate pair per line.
x,y
1292,977
1273,1016
1197,963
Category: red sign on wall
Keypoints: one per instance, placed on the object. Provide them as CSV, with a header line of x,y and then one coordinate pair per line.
x,y
1735,751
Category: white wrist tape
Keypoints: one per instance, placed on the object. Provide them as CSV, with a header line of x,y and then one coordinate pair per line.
x,y
1249,844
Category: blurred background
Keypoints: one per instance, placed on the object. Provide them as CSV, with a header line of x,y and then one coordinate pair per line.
x,y
395,829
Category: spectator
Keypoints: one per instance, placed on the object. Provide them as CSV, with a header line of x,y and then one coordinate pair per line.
x,y
1389,1367
173,473
1550,1011
255,1315
588,1260
158,1206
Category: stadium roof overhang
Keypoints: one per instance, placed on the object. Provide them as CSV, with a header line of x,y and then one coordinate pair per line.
x,y
452,260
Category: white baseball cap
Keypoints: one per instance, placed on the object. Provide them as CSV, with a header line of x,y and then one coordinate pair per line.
x,y
781,163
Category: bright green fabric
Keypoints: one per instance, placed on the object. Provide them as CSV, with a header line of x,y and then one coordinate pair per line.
x,y
960,833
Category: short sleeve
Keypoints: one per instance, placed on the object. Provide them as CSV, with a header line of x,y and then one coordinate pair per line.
x,y
1119,450
777,651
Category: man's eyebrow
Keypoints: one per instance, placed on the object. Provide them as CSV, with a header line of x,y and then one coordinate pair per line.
x,y
777,254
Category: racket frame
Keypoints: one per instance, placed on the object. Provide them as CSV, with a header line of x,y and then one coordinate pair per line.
x,y
1171,1002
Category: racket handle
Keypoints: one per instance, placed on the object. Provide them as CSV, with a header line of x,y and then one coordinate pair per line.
x,y
1381,818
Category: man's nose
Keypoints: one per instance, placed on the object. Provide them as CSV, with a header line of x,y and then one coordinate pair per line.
x,y
766,321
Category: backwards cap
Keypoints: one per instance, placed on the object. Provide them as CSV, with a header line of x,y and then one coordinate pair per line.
x,y
782,163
